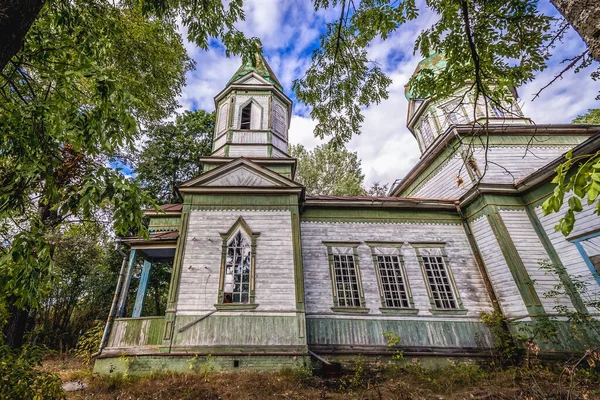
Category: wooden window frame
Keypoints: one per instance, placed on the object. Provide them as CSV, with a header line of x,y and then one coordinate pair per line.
x,y
239,225
397,246
459,310
331,246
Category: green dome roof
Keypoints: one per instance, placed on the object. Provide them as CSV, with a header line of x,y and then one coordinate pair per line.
x,y
260,67
434,62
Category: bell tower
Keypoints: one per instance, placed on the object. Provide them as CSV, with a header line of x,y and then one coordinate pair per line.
x,y
253,114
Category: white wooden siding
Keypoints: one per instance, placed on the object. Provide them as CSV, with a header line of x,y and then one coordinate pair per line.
x,y
279,118
443,184
567,252
532,252
221,141
280,144
248,151
249,137
509,164
317,280
275,287
508,294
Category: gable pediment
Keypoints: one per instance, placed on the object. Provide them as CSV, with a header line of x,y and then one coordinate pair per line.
x,y
242,176
240,173
252,78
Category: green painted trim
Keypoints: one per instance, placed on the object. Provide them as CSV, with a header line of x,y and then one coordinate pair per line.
x,y
241,225
399,311
515,264
384,244
555,259
178,260
428,245
437,311
235,306
418,247
341,244
354,247
298,267
351,310
377,215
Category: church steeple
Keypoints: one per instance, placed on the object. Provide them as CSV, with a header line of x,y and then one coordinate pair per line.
x,y
253,114
428,120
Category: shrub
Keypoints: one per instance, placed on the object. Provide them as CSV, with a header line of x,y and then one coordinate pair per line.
x,y
89,342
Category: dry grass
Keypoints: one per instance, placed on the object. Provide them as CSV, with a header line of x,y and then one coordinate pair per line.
x,y
412,382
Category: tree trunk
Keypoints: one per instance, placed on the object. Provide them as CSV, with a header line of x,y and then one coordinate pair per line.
x,y
16,17
584,16
16,325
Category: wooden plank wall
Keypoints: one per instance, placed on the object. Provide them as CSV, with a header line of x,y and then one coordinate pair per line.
x,y
532,252
319,297
275,290
587,222
506,290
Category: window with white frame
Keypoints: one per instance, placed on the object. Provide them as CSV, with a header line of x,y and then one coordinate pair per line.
x,y
394,288
246,116
455,113
441,288
236,286
346,280
426,132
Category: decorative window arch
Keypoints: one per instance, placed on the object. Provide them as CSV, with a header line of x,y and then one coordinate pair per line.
x,y
250,115
236,283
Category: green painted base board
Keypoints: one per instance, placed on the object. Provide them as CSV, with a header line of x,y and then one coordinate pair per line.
x,y
146,365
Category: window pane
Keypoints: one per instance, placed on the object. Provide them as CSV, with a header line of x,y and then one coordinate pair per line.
x,y
346,280
236,287
439,282
393,283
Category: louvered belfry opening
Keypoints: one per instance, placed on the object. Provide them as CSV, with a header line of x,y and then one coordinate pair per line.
x,y
246,114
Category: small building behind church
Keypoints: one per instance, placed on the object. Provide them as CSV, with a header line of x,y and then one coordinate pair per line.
x,y
264,274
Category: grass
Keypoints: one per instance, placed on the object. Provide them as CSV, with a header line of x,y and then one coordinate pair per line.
x,y
361,381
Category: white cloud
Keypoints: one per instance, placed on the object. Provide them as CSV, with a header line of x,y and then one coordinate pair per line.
x,y
387,149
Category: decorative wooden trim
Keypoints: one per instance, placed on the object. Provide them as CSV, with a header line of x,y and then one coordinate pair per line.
x,y
459,302
555,259
341,244
352,310
400,311
235,306
354,247
398,245
438,311
240,224
514,263
298,267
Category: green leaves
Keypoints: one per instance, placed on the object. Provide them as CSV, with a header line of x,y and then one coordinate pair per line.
x,y
172,154
578,178
329,170
342,80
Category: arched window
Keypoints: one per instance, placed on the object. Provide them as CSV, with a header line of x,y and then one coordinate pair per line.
x,y
236,287
246,116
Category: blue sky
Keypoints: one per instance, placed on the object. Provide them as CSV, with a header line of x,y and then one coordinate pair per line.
x,y
289,30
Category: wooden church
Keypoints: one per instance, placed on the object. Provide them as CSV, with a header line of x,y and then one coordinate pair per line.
x,y
264,275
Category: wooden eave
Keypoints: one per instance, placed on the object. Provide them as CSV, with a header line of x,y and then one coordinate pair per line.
x,y
457,131
378,202
535,179
195,184
155,240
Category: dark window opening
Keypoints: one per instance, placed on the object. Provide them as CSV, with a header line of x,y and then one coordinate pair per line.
x,y
246,114
236,363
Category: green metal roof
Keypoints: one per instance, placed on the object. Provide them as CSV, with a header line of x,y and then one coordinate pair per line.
x,y
434,62
260,67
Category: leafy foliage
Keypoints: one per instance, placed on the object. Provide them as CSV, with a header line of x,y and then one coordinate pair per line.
x,y
89,342
378,190
328,170
89,74
172,153
577,178
21,376
591,117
